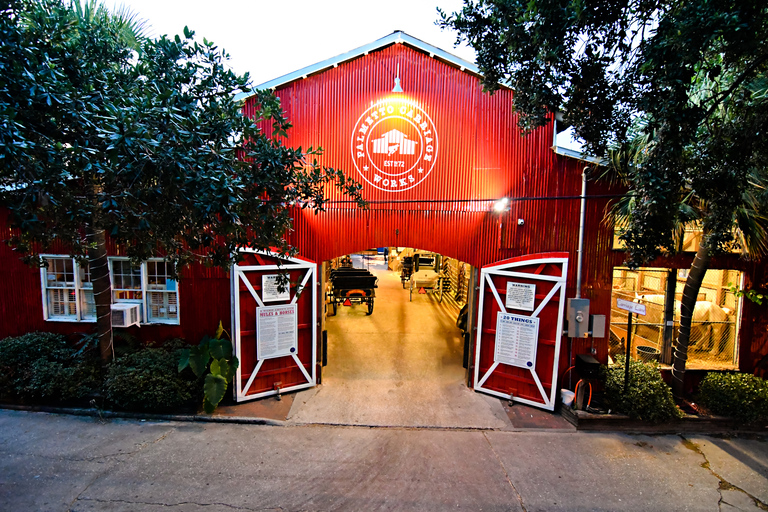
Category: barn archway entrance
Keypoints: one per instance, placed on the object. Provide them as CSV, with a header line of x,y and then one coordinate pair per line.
x,y
443,167
402,365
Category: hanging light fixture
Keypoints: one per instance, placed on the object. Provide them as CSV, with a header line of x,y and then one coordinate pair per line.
x,y
397,81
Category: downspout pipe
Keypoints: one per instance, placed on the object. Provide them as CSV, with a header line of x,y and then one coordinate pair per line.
x,y
582,222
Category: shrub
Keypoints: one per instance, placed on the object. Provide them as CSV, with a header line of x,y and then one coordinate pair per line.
x,y
649,398
44,366
741,396
148,380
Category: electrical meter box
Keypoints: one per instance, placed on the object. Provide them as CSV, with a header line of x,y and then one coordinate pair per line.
x,y
598,326
578,318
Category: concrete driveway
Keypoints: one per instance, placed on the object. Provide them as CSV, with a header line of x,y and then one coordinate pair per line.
x,y
400,366
53,462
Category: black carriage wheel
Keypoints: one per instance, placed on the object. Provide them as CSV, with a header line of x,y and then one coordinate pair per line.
x,y
370,306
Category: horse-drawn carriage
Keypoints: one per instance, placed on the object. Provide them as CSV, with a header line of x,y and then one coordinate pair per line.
x,y
406,269
427,281
352,286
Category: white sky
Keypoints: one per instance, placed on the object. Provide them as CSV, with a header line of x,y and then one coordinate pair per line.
x,y
271,38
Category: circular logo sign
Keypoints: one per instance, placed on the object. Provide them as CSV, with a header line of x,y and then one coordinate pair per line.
x,y
394,145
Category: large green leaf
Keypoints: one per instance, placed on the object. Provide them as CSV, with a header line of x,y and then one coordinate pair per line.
x,y
216,367
233,365
219,330
215,386
226,349
198,360
184,359
217,350
220,348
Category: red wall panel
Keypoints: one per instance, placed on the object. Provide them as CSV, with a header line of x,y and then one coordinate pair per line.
x,y
481,157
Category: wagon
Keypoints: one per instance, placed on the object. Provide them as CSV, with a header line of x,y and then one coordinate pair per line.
x,y
354,285
430,281
406,270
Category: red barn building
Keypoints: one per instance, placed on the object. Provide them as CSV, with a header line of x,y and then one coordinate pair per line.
x,y
435,154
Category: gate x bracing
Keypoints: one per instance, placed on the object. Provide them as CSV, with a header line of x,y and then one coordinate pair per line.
x,y
275,330
519,328
433,156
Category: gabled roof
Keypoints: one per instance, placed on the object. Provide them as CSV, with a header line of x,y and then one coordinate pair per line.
x,y
397,37
400,37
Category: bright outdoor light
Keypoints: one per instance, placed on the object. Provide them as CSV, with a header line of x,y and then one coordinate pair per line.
x,y
501,205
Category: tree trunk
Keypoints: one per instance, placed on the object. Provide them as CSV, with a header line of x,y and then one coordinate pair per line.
x,y
687,306
102,291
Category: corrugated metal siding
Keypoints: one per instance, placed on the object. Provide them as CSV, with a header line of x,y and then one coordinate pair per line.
x,y
471,125
753,353
203,296
481,156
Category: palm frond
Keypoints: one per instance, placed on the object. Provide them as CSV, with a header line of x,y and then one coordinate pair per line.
x,y
752,218
131,30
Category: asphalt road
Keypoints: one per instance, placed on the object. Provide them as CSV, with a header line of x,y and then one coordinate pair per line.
x,y
53,462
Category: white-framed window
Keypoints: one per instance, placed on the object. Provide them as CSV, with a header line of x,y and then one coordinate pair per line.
x,y
148,284
67,290
126,280
162,293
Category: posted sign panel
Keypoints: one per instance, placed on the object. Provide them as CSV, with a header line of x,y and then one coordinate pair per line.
x,y
270,291
516,339
632,307
276,331
520,296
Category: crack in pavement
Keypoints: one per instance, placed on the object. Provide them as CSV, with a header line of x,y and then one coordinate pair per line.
x,y
724,485
117,463
179,504
94,458
506,474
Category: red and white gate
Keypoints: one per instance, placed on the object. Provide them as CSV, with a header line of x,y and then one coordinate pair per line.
x,y
273,331
519,327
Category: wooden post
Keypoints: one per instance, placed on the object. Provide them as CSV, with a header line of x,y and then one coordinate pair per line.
x,y
627,352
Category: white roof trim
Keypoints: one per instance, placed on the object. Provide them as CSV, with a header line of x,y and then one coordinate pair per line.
x,y
579,155
395,37
571,152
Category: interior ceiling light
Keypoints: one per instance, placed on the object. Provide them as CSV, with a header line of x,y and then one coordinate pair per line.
x,y
397,81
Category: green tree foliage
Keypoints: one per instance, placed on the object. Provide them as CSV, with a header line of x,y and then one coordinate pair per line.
x,y
126,24
149,148
692,75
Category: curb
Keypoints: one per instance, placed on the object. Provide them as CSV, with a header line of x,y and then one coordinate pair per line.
x,y
107,414
582,420
588,422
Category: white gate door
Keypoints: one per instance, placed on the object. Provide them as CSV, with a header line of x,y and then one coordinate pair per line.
x,y
520,323
275,333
